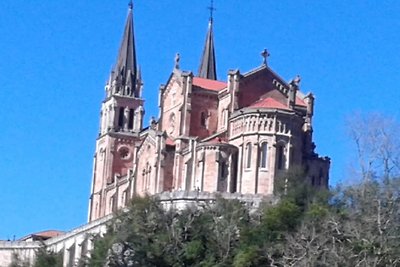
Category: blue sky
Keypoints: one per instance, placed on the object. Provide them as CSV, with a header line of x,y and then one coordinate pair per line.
x,y
55,57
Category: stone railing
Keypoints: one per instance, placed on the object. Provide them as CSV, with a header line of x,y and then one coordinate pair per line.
x,y
257,122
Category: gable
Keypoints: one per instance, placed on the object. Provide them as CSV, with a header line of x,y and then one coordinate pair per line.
x,y
254,84
148,145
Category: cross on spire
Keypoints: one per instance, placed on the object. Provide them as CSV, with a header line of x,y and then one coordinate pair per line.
x,y
207,67
212,9
130,4
265,54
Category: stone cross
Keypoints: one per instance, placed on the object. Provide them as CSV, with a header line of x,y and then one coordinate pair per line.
x,y
177,59
265,54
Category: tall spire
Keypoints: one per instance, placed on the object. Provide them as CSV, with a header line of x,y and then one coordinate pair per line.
x,y
125,69
207,67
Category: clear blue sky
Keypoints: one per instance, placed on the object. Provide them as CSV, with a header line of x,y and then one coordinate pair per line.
x,y
55,57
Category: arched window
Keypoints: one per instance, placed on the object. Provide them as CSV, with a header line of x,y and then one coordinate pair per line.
x,y
263,155
248,155
281,159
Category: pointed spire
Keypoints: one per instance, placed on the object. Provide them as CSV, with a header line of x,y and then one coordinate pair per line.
x,y
207,67
126,60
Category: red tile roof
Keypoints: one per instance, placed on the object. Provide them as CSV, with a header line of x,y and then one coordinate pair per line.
x,y
49,233
44,235
268,103
300,102
209,84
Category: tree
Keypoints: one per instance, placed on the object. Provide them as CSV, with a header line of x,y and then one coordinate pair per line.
x,y
47,258
377,145
18,262
43,258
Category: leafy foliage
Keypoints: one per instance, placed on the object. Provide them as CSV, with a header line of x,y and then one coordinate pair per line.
x,y
358,225
48,258
18,262
44,258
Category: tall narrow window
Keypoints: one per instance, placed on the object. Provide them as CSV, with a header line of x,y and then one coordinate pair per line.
x,y
263,155
320,177
280,153
130,122
203,119
121,117
248,155
222,170
144,182
148,178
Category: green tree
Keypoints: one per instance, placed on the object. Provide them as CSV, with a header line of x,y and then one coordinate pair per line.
x,y
47,258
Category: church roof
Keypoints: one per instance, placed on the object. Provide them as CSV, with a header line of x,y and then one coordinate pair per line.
x,y
209,84
300,102
269,102
207,67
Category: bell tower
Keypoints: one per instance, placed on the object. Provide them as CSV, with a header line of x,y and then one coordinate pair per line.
x,y
121,120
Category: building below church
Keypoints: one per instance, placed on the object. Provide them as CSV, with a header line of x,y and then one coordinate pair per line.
x,y
235,136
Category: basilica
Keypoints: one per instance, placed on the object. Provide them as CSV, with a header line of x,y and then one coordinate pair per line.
x,y
235,135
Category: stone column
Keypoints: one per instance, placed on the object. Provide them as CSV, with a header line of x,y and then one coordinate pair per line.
x,y
78,251
65,256
126,118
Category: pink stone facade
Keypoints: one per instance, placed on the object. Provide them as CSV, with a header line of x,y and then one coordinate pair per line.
x,y
225,140
233,136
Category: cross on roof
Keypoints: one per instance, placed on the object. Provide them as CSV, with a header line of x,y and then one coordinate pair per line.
x,y
265,54
212,9
130,4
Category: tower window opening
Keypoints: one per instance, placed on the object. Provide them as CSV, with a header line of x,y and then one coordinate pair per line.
x,y
263,155
130,122
121,117
248,155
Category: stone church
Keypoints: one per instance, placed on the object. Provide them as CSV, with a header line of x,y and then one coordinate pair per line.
x,y
234,136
